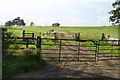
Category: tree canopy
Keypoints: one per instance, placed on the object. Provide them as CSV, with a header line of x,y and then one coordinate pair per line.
x,y
115,18
9,23
32,24
17,21
55,24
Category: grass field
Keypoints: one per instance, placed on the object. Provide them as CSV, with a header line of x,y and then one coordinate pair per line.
x,y
90,31
34,29
86,32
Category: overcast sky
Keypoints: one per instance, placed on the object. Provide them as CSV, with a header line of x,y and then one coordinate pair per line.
x,y
65,12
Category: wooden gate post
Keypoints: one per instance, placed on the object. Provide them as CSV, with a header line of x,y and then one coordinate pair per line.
x,y
40,33
38,45
97,50
118,42
32,35
103,36
23,33
78,35
27,43
56,37
75,35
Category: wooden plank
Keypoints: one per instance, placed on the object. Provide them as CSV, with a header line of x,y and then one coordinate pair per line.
x,y
28,33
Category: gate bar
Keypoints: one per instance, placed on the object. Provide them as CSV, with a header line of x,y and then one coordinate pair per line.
x,y
60,50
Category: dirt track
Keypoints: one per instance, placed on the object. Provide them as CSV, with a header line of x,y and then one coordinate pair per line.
x,y
100,69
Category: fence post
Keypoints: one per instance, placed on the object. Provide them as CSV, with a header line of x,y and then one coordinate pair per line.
x,y
75,35
103,36
97,50
43,34
38,45
27,43
56,37
78,35
40,33
119,42
23,33
32,35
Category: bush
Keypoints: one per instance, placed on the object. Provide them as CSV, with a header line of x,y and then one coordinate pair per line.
x,y
16,64
6,40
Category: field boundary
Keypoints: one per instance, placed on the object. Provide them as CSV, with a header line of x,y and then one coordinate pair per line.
x,y
63,44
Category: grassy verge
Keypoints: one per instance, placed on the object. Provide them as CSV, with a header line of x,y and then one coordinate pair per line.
x,y
13,65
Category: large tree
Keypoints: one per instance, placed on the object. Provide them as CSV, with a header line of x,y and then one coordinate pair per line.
x,y
55,24
32,24
21,23
17,21
115,17
9,23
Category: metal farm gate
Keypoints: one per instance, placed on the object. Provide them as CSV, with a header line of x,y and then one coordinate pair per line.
x,y
68,50
79,50
108,50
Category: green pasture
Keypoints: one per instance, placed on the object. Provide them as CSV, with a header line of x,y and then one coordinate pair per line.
x,y
90,32
30,29
87,33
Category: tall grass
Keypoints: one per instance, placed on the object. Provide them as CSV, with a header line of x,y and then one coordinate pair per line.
x,y
24,61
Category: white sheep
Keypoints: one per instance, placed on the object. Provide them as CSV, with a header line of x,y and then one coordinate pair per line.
x,y
113,41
